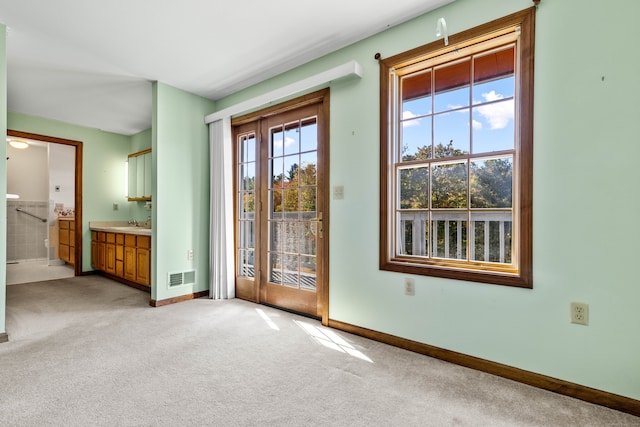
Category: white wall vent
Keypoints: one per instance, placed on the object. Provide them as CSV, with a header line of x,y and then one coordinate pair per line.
x,y
182,278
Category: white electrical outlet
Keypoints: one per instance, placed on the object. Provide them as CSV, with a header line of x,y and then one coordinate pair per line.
x,y
580,313
190,255
409,286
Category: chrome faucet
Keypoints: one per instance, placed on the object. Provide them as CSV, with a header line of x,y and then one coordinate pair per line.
x,y
133,222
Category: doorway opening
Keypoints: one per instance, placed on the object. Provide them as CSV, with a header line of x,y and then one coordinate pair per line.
x,y
44,226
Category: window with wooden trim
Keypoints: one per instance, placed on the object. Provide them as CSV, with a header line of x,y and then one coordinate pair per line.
x,y
456,155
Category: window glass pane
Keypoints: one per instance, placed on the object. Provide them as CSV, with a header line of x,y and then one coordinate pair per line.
x,y
492,236
250,263
291,200
452,134
275,268
413,233
276,204
308,170
250,234
449,235
452,86
248,173
248,204
308,272
308,199
416,95
250,148
277,142
290,274
449,185
246,263
492,183
242,149
292,139
493,90
309,135
276,236
290,236
277,172
414,188
416,139
291,169
307,238
493,127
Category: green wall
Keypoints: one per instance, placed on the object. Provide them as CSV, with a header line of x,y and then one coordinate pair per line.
x,y
104,154
3,176
585,202
180,218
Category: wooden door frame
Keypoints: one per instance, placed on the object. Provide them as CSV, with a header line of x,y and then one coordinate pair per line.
x,y
321,97
77,266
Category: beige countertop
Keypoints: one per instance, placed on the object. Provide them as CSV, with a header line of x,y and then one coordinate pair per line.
x,y
118,227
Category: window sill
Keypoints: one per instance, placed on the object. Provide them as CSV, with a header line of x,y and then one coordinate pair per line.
x,y
447,271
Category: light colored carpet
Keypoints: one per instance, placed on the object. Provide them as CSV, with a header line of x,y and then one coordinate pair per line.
x,y
87,351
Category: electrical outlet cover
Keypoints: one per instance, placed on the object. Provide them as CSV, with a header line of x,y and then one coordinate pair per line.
x,y
580,313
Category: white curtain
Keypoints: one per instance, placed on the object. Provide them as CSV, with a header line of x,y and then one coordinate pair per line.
x,y
221,265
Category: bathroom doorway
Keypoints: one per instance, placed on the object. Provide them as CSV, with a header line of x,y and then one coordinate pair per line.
x,y
44,208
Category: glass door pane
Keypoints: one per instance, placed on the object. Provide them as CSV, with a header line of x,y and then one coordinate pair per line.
x,y
292,226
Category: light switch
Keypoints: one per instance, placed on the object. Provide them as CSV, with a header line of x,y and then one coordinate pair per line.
x,y
338,192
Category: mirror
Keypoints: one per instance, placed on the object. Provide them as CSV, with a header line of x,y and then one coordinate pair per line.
x,y
139,176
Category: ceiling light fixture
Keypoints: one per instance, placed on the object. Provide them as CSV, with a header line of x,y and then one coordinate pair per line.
x,y
19,144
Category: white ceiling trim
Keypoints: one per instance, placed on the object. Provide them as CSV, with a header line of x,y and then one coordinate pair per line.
x,y
351,69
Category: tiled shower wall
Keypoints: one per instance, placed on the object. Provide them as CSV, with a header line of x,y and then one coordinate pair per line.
x,y
26,235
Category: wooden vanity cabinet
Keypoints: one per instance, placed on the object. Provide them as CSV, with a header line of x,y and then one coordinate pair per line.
x,y
126,256
67,240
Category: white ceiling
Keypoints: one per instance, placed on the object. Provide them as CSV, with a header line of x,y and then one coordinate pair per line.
x,y
91,63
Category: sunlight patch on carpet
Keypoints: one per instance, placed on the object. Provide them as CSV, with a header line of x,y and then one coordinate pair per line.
x,y
330,339
267,319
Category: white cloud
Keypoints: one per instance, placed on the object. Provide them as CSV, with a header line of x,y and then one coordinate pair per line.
x,y
499,114
476,124
277,143
407,115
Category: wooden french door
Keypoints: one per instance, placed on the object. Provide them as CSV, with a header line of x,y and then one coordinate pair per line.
x,y
282,205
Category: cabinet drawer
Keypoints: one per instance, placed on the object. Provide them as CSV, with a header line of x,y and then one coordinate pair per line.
x,y
144,242
63,237
119,239
101,236
94,235
63,225
130,240
111,238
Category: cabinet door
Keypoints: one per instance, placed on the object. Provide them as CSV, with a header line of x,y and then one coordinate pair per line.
x,y
130,263
101,255
110,258
119,268
63,253
143,266
63,235
94,252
